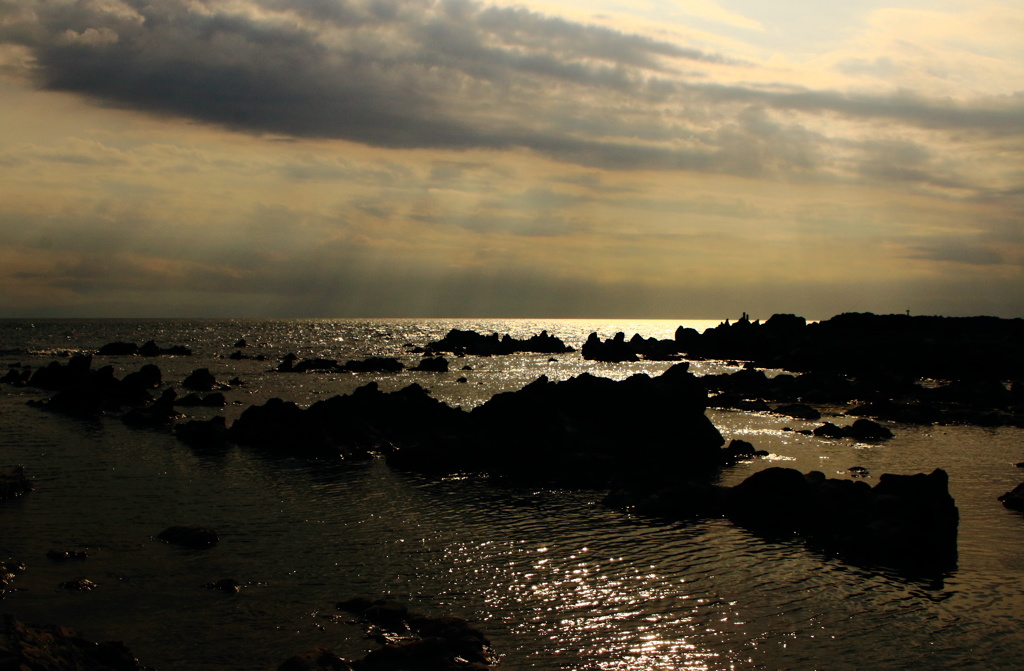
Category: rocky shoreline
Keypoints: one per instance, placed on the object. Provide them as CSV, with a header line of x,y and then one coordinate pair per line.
x,y
645,440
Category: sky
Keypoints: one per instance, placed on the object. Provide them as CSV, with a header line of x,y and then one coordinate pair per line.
x,y
462,158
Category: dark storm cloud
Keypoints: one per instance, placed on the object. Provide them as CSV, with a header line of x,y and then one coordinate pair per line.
x,y
452,74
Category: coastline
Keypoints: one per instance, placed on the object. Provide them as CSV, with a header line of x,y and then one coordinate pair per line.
x,y
539,363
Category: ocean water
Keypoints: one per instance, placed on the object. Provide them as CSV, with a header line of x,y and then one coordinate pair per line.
x,y
553,578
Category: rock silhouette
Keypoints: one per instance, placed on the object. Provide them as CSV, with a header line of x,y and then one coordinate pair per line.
x,y
905,521
55,648
470,342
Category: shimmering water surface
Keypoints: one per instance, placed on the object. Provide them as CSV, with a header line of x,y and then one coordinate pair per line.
x,y
554,579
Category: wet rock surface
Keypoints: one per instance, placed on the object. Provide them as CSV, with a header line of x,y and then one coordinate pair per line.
x,y
29,647
409,641
904,521
1014,499
14,482
9,570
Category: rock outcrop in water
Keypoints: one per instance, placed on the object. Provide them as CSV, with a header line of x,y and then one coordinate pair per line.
x,y
28,647
859,344
470,342
81,390
149,348
897,398
585,431
14,483
409,641
1014,499
376,364
905,521
617,349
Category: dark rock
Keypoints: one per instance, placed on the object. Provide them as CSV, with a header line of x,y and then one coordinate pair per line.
x,y
461,342
150,348
51,648
9,570
740,450
904,413
14,483
432,365
119,349
315,365
375,365
320,659
199,433
908,522
147,377
861,429
798,410
240,343
214,400
865,429
160,413
64,555
56,376
829,430
613,350
1014,499
15,377
438,643
193,536
79,585
228,585
201,379
588,431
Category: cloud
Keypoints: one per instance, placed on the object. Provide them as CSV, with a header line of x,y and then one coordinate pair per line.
x,y
451,74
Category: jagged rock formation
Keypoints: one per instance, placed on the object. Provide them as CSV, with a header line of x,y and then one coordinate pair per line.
x,y
470,342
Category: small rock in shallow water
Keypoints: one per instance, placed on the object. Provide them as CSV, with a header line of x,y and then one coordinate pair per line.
x,y
79,585
229,585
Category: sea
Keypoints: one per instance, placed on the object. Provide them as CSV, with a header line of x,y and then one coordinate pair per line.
x,y
553,578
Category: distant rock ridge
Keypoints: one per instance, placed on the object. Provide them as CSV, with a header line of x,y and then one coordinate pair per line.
x,y
946,348
470,342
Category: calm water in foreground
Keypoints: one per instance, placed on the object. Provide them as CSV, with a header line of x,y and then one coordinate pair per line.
x,y
553,578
